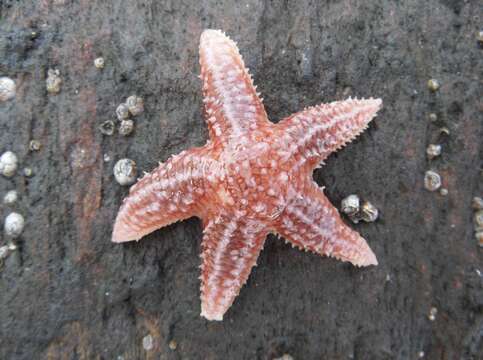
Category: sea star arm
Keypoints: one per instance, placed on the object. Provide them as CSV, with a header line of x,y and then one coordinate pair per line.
x,y
232,105
310,222
314,133
180,188
230,248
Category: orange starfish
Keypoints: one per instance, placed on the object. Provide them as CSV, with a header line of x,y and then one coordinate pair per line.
x,y
252,178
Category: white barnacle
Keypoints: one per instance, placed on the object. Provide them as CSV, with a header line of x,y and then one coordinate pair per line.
x,y
125,171
107,127
148,342
478,220
432,180
477,203
135,105
433,150
369,212
350,205
126,127
53,81
122,111
99,63
13,225
10,197
8,164
7,89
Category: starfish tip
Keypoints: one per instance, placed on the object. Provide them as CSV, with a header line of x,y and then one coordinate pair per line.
x,y
377,103
211,316
369,259
120,234
211,34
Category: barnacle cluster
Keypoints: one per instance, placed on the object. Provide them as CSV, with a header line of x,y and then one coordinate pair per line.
x,y
133,106
352,207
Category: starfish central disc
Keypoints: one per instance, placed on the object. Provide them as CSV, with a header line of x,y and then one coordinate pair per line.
x,y
252,178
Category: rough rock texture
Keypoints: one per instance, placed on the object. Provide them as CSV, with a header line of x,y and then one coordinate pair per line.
x,y
69,293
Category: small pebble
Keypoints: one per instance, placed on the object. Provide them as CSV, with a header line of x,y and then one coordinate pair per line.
x,y
126,127
433,150
369,212
477,203
125,172
350,205
433,117
122,112
443,191
99,63
7,89
106,158
28,172
13,225
478,219
107,127
135,105
432,313
173,345
148,342
479,238
53,81
433,85
10,197
8,164
432,180
34,145
421,354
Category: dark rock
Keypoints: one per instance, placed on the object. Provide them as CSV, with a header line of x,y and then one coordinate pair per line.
x,y
67,292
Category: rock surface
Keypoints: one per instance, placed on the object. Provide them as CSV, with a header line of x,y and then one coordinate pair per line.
x,y
67,292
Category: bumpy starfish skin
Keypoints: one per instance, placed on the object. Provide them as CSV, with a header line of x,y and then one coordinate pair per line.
x,y
252,178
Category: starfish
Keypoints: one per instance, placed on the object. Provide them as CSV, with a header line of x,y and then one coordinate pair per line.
x,y
253,177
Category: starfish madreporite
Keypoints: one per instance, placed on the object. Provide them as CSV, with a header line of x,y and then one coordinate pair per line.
x,y
252,178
